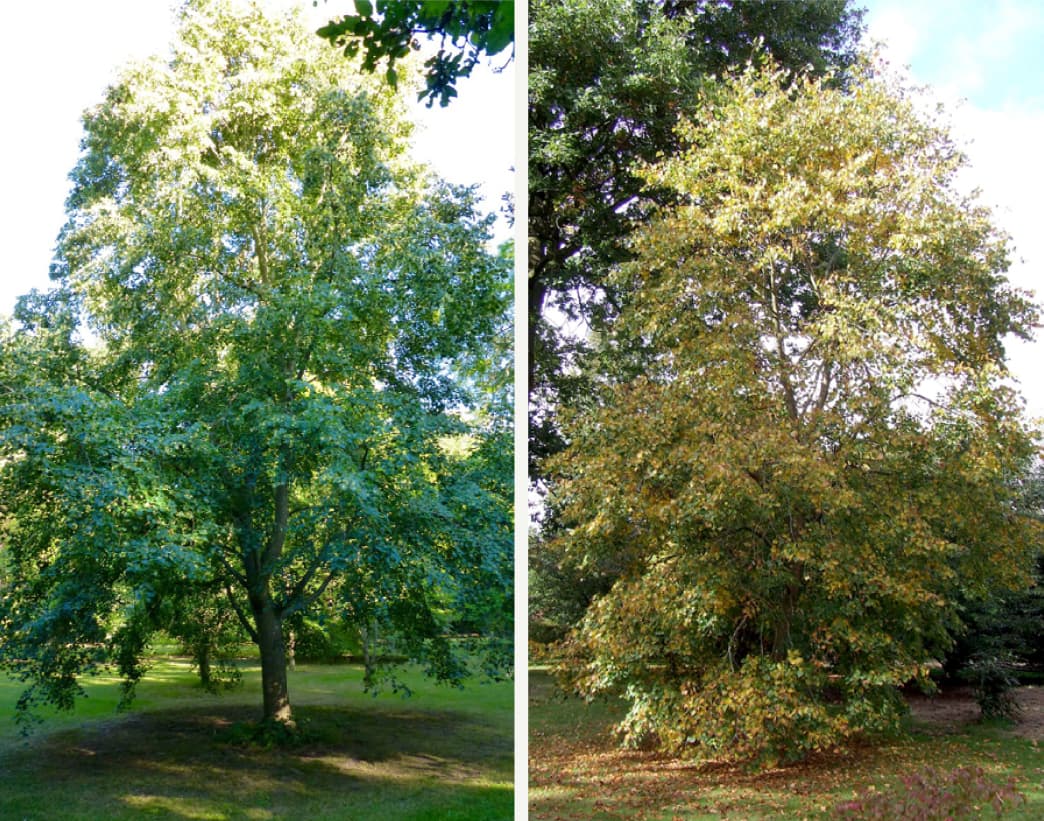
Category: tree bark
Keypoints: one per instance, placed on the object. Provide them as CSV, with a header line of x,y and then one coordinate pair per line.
x,y
203,662
273,662
537,297
269,619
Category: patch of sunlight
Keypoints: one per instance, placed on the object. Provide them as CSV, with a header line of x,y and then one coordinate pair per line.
x,y
550,793
404,768
169,768
494,784
486,783
181,807
102,678
241,782
458,445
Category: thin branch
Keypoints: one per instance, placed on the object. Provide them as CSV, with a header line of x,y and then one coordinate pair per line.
x,y
298,590
235,574
922,397
260,253
308,601
781,351
241,616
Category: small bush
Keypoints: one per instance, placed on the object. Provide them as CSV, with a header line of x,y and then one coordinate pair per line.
x,y
993,679
763,714
933,794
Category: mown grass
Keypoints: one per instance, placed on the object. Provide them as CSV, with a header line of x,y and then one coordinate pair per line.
x,y
578,771
443,753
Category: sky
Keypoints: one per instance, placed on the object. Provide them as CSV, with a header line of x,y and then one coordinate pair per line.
x,y
56,59
983,60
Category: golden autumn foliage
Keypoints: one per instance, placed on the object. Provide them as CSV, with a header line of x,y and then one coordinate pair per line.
x,y
806,447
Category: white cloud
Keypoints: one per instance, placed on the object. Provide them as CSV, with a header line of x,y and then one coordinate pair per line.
x,y
1008,166
973,56
896,29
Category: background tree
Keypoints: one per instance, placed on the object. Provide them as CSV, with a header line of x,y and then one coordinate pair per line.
x,y
205,624
805,443
290,327
1003,632
608,81
389,32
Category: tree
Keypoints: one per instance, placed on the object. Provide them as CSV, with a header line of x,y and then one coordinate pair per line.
x,y
608,82
473,27
269,335
803,450
1005,627
205,624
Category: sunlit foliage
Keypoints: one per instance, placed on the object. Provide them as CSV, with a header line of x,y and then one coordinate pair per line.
x,y
803,449
266,322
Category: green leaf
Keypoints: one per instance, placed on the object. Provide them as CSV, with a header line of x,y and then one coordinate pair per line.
x,y
502,31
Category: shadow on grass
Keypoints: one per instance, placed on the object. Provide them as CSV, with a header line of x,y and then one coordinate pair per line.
x,y
384,762
579,772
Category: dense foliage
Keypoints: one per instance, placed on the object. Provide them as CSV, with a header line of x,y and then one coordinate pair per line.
x,y
608,82
268,379
999,638
801,456
389,32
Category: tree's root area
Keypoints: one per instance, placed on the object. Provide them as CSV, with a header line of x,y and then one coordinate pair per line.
x,y
267,733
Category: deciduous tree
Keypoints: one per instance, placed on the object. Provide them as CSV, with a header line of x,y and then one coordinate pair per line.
x,y
803,449
270,332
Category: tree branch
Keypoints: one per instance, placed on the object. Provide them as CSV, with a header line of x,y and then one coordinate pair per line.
x,y
235,574
307,601
274,548
241,616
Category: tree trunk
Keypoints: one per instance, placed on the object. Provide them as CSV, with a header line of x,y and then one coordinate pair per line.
x,y
369,635
267,618
537,297
203,662
273,664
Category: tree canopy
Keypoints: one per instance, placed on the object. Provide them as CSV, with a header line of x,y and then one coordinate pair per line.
x,y
269,371
801,453
388,31
608,81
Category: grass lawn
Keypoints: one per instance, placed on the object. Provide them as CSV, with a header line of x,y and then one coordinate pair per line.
x,y
442,754
577,770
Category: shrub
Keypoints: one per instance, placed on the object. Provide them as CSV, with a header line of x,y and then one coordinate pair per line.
x,y
994,682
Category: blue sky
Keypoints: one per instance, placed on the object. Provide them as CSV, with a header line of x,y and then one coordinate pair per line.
x,y
56,59
983,59
986,50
